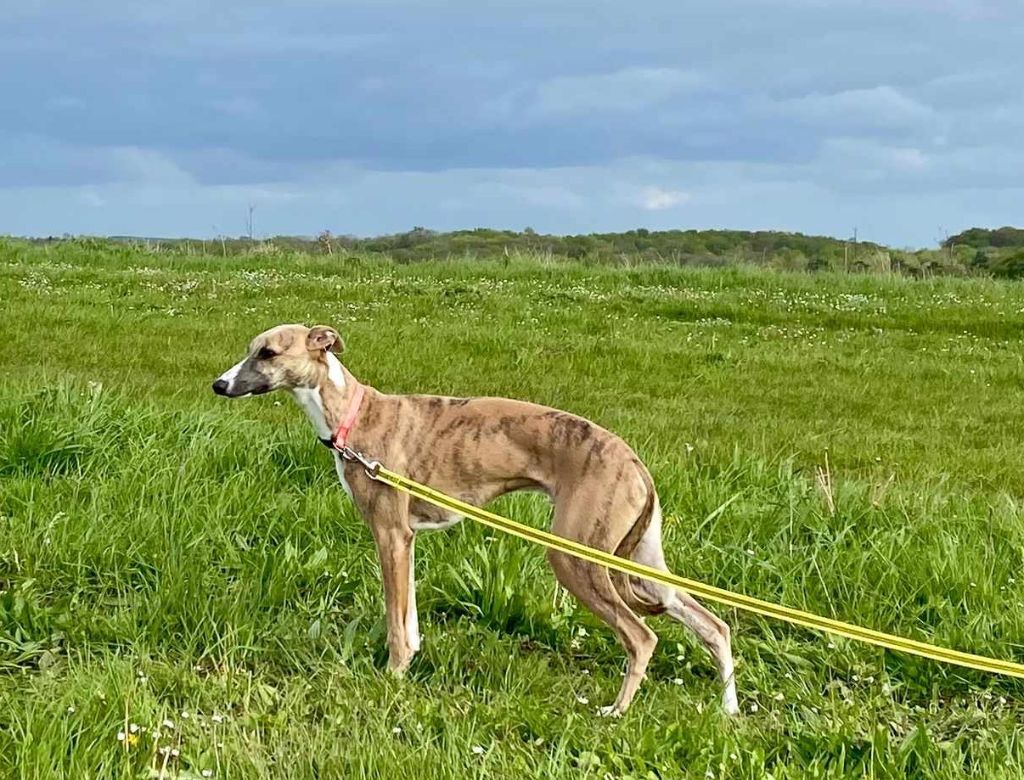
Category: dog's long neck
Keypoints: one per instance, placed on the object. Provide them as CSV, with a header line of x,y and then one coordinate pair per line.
x,y
327,403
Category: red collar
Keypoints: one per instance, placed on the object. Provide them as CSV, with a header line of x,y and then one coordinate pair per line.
x,y
340,440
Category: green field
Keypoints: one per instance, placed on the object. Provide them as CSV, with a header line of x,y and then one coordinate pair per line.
x,y
168,555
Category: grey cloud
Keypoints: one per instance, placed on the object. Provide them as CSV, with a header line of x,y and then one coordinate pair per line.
x,y
626,90
27,160
882,106
575,115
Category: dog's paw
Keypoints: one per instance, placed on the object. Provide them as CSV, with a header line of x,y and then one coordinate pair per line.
x,y
398,669
611,711
730,706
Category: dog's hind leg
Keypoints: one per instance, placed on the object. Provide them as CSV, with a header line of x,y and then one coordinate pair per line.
x,y
712,632
593,587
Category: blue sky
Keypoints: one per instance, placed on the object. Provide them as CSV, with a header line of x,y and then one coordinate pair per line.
x,y
902,118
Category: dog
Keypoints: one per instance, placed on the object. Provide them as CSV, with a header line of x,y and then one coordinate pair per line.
x,y
477,449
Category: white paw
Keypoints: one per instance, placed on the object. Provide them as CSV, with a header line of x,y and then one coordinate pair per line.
x,y
611,711
730,705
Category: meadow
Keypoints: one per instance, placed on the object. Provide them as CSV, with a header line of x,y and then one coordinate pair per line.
x,y
185,590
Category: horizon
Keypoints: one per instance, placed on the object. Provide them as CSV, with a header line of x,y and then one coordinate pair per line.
x,y
258,238
898,120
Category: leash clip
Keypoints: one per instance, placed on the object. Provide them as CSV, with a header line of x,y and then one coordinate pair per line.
x,y
371,467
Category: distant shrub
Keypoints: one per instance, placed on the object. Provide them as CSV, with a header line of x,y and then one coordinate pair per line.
x,y
981,238
1009,267
977,251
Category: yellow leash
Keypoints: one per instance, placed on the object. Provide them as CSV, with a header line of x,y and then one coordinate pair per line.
x,y
738,600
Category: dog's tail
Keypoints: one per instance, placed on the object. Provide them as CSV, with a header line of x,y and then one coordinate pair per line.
x,y
629,542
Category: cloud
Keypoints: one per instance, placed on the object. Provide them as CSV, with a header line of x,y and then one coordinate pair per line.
x,y
658,199
145,166
90,197
31,159
864,166
875,107
367,116
241,40
629,89
865,161
626,91
345,198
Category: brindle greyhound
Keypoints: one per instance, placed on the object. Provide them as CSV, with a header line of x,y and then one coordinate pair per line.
x,y
477,449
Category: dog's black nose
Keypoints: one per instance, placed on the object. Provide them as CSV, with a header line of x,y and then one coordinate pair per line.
x,y
220,387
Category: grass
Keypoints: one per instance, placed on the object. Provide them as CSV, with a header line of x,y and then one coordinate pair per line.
x,y
164,552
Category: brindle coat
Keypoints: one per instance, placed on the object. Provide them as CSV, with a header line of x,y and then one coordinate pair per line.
x,y
477,449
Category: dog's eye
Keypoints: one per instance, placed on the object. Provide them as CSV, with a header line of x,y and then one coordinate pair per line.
x,y
266,353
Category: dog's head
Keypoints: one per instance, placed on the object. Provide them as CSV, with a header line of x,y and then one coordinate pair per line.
x,y
288,356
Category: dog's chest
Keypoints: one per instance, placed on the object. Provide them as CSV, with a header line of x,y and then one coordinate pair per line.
x,y
339,466
310,401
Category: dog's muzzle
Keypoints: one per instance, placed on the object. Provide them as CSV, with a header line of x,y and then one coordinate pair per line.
x,y
240,387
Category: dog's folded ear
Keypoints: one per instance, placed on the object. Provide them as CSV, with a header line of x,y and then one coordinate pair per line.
x,y
321,337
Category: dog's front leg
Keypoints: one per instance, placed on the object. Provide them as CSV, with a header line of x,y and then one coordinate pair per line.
x,y
394,548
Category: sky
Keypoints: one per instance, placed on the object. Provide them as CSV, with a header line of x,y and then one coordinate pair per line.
x,y
902,119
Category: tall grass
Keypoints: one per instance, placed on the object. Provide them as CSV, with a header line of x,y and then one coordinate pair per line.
x,y
165,553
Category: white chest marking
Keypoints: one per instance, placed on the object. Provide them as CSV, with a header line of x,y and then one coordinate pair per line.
x,y
311,402
309,399
339,466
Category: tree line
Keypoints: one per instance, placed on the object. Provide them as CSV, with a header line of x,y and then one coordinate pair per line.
x,y
977,251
